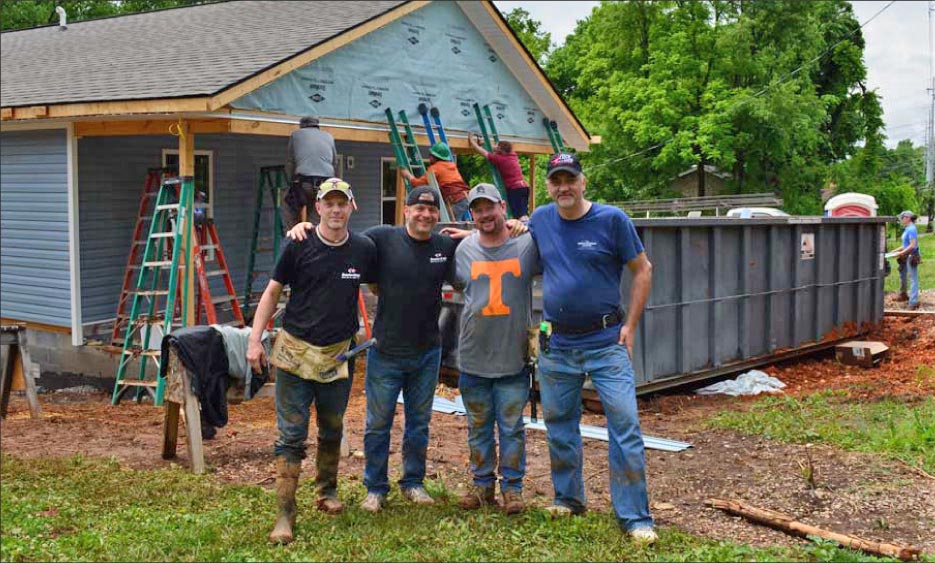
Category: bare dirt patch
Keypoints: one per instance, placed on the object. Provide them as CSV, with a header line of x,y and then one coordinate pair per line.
x,y
908,371
859,494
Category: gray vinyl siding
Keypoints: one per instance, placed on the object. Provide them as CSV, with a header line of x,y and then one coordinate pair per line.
x,y
35,281
111,172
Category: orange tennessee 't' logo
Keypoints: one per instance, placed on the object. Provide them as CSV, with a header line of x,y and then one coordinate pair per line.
x,y
495,272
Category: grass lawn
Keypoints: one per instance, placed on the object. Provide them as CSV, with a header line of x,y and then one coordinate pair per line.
x,y
926,269
77,509
892,428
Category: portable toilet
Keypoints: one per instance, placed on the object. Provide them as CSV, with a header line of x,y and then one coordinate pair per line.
x,y
851,204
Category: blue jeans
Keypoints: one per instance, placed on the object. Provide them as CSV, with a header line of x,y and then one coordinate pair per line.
x,y
561,376
294,398
461,210
910,273
416,377
500,399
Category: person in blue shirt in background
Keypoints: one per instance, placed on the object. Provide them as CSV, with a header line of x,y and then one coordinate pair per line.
x,y
584,247
909,259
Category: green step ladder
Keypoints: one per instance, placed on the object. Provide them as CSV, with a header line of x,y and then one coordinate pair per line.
x,y
555,138
488,130
171,221
409,157
272,182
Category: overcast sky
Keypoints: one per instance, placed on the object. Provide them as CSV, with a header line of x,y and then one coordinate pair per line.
x,y
897,54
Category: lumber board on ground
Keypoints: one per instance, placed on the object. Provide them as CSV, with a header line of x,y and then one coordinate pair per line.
x,y
787,524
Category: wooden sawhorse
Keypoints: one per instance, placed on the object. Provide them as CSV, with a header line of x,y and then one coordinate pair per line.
x,y
14,338
180,398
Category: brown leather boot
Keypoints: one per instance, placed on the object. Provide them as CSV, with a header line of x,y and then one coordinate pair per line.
x,y
903,296
326,480
513,502
477,497
287,481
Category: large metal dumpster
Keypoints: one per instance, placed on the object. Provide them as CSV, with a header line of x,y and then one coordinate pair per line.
x,y
729,294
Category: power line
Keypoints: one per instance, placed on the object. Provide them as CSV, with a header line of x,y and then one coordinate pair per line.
x,y
781,80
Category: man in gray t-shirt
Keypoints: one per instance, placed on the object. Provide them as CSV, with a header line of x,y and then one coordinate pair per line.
x,y
495,272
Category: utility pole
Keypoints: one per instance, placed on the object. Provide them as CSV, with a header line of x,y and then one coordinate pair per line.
x,y
930,130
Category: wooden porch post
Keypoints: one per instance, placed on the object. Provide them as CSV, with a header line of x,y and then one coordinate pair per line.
x,y
187,168
532,183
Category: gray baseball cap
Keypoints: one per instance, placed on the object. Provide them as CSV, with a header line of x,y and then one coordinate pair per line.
x,y
484,191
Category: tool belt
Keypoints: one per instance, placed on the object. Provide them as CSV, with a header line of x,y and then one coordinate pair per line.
x,y
605,321
315,363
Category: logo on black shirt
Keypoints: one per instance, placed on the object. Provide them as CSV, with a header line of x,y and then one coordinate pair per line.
x,y
439,258
350,274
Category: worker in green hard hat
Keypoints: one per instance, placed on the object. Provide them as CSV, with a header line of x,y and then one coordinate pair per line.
x,y
453,187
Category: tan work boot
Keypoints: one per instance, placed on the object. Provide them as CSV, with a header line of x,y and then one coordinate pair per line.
x,y
287,481
513,502
477,497
330,505
417,495
373,503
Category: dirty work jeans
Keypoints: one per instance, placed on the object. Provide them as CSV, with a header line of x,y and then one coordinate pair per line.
x,y
416,377
294,398
910,273
501,400
561,376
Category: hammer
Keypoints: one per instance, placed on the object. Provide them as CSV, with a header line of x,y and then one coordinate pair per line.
x,y
347,356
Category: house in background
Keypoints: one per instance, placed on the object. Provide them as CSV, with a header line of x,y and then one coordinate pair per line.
x,y
215,90
686,183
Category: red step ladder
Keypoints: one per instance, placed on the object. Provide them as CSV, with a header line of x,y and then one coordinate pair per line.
x,y
208,303
206,240
154,178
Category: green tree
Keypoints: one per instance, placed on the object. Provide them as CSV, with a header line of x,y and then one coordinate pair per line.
x,y
769,91
530,32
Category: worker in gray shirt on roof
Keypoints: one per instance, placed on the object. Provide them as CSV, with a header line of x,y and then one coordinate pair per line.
x,y
311,158
495,272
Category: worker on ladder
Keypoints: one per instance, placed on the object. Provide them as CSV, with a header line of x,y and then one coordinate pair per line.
x,y
507,164
311,157
453,187
325,272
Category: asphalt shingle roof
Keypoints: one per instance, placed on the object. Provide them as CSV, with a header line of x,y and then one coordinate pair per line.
x,y
193,51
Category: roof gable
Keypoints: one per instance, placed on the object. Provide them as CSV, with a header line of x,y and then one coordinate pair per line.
x,y
433,55
193,51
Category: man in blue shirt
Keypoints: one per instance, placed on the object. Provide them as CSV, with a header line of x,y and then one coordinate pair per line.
x,y
909,259
584,247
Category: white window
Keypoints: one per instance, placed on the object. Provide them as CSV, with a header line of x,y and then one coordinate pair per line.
x,y
388,175
204,174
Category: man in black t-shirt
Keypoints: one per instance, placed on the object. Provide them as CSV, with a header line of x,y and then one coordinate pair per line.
x,y
413,263
325,272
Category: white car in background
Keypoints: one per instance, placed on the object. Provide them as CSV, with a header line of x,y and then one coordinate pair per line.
x,y
753,212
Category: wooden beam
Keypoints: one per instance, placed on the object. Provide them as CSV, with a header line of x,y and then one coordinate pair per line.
x,y
131,107
358,135
187,168
532,183
227,96
6,113
36,326
30,112
245,127
146,127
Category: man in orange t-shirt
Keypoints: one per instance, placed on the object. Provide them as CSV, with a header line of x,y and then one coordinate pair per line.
x,y
453,187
